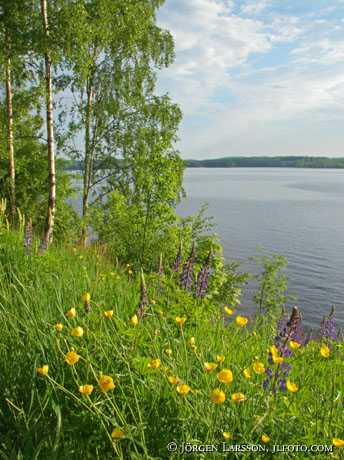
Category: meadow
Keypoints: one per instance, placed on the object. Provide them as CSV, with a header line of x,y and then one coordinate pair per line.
x,y
98,361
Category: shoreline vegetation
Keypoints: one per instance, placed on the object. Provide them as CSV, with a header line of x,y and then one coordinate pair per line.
x,y
307,162
268,162
113,363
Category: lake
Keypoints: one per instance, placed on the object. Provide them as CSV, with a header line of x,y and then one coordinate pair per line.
x,y
298,213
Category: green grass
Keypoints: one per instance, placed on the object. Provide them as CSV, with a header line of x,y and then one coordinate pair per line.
x,y
47,417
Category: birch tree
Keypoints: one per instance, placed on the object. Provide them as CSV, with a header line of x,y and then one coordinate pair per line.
x,y
112,51
49,225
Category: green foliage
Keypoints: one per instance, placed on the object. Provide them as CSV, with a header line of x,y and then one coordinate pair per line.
x,y
271,295
31,173
47,417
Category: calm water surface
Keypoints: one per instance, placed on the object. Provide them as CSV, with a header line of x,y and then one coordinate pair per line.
x,y
298,213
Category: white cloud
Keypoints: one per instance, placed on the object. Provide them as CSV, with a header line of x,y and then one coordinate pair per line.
x,y
255,6
231,105
324,51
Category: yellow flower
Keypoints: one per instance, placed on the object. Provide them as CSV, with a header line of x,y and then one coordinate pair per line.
x,y
225,376
254,333
86,298
173,379
228,310
43,370
183,389
154,363
208,367
291,386
117,434
227,435
169,351
180,320
247,373
153,302
275,354
77,332
238,397
72,358
274,350
325,351
265,438
58,327
294,345
108,313
337,442
134,321
86,389
71,313
192,341
192,344
277,359
218,396
106,383
220,358
241,320
258,367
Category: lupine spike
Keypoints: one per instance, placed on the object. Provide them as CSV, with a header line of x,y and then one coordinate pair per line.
x,y
328,329
287,330
294,325
28,238
186,277
203,277
141,311
178,259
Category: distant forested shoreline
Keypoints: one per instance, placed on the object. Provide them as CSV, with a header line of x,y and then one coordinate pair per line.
x,y
268,162
246,162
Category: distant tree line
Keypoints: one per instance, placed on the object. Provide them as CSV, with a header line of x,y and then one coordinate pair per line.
x,y
268,162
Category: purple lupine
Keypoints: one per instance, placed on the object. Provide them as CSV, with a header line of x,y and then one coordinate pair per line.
x,y
178,259
28,238
186,278
328,328
287,329
282,385
203,277
268,371
141,311
266,384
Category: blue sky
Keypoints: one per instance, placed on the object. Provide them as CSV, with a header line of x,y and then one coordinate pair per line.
x,y
257,77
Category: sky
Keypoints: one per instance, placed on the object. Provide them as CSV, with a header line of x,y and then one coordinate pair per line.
x,y
257,77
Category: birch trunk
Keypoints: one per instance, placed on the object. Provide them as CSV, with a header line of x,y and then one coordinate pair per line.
x,y
49,225
10,147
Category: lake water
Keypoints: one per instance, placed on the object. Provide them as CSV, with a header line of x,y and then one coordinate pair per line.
x,y
298,213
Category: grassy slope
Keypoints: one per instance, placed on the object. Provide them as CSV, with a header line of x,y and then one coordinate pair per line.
x,y
47,418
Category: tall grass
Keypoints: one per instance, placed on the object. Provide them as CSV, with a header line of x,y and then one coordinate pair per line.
x,y
46,417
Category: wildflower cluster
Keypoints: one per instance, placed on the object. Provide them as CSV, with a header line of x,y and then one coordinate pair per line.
x,y
289,338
